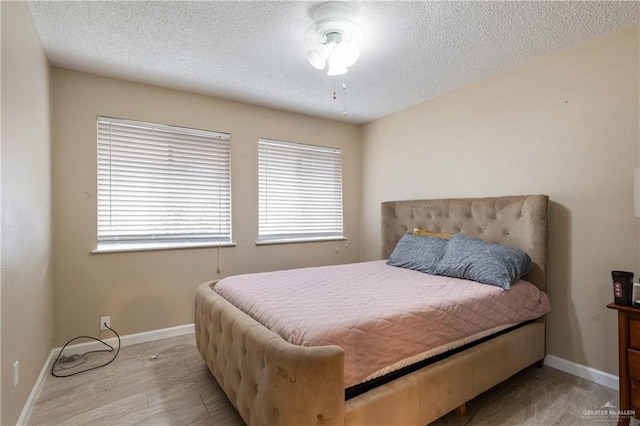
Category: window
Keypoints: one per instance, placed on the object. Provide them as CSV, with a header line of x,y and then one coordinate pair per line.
x,y
300,192
162,186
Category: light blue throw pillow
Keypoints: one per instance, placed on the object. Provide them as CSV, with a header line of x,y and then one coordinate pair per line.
x,y
418,253
473,259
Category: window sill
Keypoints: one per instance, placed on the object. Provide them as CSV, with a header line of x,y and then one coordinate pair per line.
x,y
115,248
298,240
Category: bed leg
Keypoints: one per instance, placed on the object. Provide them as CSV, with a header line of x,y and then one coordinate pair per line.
x,y
539,364
461,410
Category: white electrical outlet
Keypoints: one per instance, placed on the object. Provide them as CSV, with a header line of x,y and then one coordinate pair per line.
x,y
103,321
16,376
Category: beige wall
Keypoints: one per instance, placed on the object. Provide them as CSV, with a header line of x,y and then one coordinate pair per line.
x,y
150,290
27,289
566,126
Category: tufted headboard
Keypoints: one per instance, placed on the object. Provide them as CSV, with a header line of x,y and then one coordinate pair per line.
x,y
515,221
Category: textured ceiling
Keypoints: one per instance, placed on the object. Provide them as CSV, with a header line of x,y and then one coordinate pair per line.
x,y
255,52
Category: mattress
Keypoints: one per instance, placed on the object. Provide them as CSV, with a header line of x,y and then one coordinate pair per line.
x,y
382,316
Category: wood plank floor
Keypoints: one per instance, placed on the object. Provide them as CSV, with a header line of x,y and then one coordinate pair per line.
x,y
165,382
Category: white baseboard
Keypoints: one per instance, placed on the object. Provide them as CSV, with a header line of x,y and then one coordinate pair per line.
x,y
35,393
128,340
596,376
588,373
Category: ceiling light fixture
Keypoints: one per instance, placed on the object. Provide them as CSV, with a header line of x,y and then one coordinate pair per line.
x,y
337,36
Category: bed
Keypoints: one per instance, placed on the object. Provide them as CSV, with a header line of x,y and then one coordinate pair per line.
x,y
273,382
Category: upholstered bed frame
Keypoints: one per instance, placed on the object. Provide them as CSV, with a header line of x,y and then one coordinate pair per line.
x,y
273,382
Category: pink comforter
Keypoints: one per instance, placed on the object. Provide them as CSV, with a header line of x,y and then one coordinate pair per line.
x,y
378,314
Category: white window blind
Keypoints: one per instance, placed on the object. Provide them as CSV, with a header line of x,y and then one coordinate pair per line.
x,y
300,191
162,185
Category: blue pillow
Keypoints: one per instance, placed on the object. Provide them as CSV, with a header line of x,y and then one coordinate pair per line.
x,y
418,253
473,259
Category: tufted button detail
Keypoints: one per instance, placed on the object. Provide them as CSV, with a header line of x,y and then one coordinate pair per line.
x,y
256,388
276,411
293,379
263,364
320,418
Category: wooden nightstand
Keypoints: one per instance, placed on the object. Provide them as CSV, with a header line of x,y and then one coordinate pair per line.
x,y
628,360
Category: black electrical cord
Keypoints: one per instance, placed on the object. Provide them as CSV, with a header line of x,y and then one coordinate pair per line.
x,y
112,349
